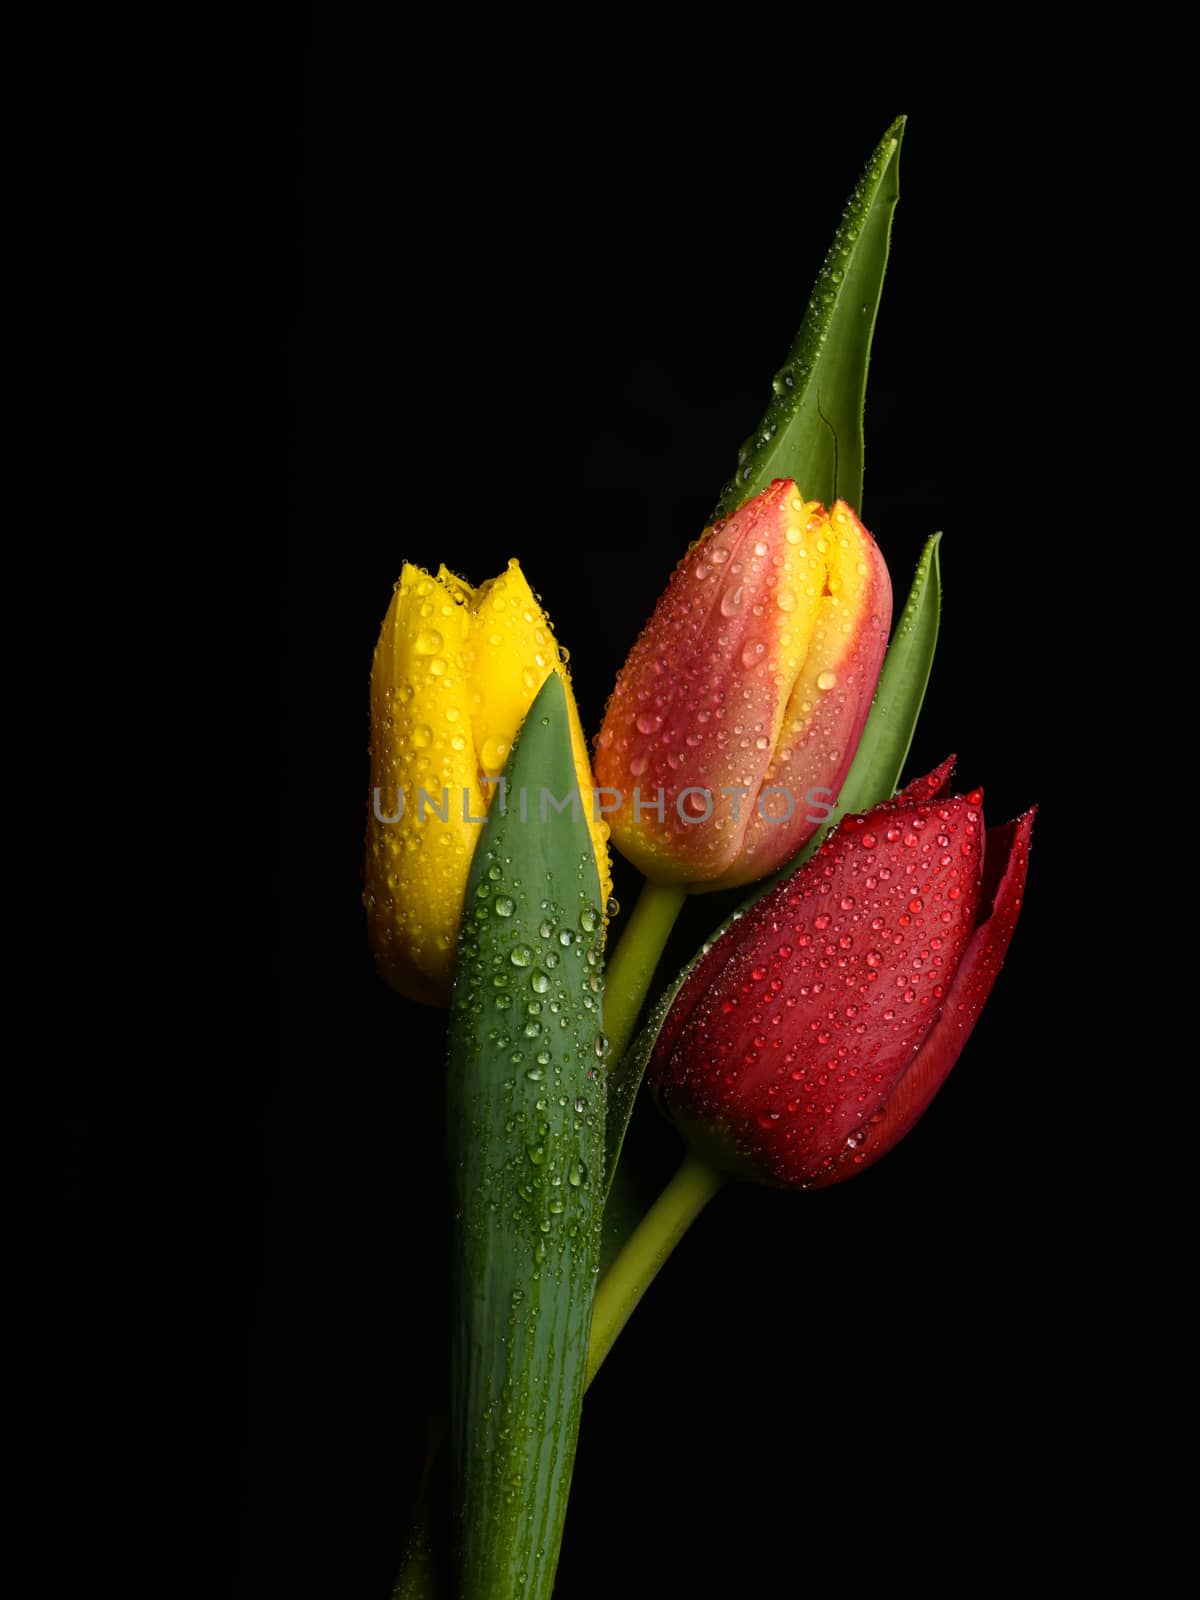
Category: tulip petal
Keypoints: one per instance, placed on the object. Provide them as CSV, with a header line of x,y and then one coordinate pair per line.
x,y
700,701
422,757
458,587
1005,868
830,701
512,652
933,786
835,978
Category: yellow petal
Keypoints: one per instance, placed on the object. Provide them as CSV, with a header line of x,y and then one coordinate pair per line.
x,y
421,750
458,587
512,652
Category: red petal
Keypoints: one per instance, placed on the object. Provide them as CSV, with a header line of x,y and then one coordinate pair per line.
x,y
835,977
826,711
932,787
666,724
1007,859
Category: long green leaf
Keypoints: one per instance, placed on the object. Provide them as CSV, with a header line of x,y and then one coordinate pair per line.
x,y
812,430
887,738
526,1100
873,776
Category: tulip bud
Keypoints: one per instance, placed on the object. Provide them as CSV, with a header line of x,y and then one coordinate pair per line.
x,y
737,715
813,1034
455,671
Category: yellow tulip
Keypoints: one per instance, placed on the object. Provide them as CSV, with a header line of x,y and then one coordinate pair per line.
x,y
455,671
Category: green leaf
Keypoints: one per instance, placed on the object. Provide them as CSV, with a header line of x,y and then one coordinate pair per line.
x,y
874,776
526,1100
887,738
812,429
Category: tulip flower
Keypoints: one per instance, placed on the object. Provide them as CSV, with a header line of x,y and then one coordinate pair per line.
x,y
455,670
737,715
817,1030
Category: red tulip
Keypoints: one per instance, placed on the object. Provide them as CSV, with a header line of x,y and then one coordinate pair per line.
x,y
817,1030
737,715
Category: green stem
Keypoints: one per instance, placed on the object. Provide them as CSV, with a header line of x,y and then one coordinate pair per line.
x,y
631,965
648,1247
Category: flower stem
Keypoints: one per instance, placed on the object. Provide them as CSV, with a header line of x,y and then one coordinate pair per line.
x,y
648,1247
631,965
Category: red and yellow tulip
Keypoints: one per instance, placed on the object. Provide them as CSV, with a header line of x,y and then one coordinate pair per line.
x,y
739,709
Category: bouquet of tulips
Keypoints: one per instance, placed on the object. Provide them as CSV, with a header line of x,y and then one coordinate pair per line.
x,y
755,739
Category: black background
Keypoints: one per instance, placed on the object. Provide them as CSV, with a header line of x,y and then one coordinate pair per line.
x,y
536,318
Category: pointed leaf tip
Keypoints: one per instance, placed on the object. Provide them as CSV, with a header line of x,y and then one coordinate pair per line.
x,y
812,429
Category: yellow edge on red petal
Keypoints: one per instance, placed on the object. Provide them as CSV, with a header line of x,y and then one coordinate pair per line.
x,y
839,545
798,600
